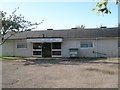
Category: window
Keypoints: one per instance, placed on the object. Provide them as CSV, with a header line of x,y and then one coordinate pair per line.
x,y
37,46
36,52
56,52
22,45
118,43
86,45
56,45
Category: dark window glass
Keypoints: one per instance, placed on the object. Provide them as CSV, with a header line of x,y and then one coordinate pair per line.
x,y
86,45
22,45
36,52
37,46
118,43
56,52
56,45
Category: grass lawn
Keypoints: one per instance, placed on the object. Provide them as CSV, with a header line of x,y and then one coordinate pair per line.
x,y
82,58
10,57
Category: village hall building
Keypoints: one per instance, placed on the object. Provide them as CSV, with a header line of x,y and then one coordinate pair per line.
x,y
97,42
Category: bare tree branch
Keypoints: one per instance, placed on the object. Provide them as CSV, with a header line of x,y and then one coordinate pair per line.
x,y
5,39
14,23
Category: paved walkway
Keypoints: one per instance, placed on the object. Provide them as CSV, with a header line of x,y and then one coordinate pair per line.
x,y
60,73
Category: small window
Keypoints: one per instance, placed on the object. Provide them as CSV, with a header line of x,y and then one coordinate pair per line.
x,y
56,52
37,46
56,45
118,43
36,52
22,45
86,45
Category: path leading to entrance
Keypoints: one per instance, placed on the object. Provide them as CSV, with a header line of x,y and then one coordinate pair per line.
x,y
41,73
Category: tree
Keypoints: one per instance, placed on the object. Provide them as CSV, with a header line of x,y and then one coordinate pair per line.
x,y
80,27
13,24
103,7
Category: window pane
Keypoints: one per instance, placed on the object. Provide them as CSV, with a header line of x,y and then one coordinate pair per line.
x,y
86,44
90,45
118,43
36,52
22,45
56,45
37,46
56,52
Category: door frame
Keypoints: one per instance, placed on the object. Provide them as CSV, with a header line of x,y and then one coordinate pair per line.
x,y
49,48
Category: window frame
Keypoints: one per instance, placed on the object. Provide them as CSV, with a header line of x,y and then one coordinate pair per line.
x,y
37,43
56,48
57,54
88,45
22,44
118,44
38,54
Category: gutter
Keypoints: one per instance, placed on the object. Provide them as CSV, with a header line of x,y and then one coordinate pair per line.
x,y
99,38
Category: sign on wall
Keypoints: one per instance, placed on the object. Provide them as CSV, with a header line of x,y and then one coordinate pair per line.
x,y
45,40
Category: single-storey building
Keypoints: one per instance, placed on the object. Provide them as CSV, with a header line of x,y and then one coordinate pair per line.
x,y
97,42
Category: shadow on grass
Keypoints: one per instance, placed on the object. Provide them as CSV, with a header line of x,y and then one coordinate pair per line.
x,y
64,61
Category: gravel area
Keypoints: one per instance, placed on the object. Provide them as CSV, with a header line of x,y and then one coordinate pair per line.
x,y
59,73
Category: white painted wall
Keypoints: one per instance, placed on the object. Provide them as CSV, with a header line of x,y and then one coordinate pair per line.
x,y
0,50
10,48
24,52
76,44
0,47
7,48
108,46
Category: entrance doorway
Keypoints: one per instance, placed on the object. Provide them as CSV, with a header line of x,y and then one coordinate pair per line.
x,y
46,50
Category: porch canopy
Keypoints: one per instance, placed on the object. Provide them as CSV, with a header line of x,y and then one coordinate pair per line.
x,y
45,40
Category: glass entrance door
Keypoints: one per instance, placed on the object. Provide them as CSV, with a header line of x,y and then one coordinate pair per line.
x,y
46,50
